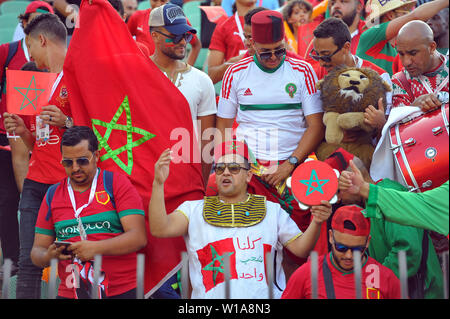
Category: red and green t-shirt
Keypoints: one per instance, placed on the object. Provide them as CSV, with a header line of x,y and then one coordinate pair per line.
x,y
100,220
374,47
226,39
45,166
378,281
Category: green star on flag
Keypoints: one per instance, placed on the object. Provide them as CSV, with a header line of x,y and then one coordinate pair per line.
x,y
219,258
129,129
37,93
314,179
234,147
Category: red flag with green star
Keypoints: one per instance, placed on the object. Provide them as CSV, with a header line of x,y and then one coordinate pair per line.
x,y
136,113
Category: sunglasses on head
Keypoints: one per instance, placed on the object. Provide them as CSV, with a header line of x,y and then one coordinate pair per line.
x,y
324,58
266,55
233,168
177,38
344,248
81,161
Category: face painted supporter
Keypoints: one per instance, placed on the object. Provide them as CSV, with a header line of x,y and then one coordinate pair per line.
x,y
170,38
235,223
139,28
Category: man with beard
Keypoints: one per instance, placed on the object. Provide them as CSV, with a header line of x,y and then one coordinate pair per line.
x,y
439,25
171,33
350,232
350,12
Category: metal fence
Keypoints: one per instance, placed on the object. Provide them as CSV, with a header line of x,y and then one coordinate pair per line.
x,y
140,268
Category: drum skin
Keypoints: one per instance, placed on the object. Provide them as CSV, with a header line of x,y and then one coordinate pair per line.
x,y
421,149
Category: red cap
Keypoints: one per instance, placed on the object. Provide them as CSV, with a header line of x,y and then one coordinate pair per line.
x,y
35,5
267,27
350,220
232,147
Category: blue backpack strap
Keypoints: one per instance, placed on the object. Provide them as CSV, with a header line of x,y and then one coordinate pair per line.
x,y
12,49
108,184
49,197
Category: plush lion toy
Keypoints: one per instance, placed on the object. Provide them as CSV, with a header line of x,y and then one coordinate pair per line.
x,y
346,92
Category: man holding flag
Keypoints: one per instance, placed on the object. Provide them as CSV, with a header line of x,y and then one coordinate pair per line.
x,y
136,113
46,42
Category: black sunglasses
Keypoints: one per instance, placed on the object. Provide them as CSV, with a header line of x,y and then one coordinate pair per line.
x,y
234,168
81,161
177,38
344,248
268,54
324,58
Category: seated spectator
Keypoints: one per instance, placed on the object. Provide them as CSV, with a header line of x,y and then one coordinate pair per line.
x,y
424,80
295,14
384,20
350,231
110,223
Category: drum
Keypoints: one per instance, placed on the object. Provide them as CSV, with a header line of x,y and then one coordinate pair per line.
x,y
421,149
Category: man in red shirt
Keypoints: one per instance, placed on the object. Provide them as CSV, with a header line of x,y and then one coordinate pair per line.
x,y
14,154
227,42
99,213
138,26
46,41
350,231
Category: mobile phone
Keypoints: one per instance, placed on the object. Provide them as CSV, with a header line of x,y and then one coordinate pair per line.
x,y
63,243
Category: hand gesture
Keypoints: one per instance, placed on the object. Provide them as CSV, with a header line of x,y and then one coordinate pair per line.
x,y
52,115
84,249
283,171
351,181
321,212
375,118
56,252
162,167
14,124
427,102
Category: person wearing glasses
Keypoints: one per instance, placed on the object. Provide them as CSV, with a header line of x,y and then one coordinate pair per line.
x,y
46,42
95,215
350,232
234,224
332,48
138,26
170,37
274,100
384,20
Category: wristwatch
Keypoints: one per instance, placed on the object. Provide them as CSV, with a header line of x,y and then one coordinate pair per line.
x,y
68,123
293,160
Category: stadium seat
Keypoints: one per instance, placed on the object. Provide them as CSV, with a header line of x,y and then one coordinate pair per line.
x,y
6,34
144,5
201,59
8,20
16,7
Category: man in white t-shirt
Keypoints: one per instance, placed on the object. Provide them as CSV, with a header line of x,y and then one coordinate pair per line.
x,y
274,100
171,33
235,223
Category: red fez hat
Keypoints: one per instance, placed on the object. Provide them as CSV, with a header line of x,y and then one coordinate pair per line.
x,y
350,220
267,27
233,147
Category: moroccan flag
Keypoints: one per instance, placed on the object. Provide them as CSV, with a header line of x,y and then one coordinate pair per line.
x,y
27,91
305,37
136,113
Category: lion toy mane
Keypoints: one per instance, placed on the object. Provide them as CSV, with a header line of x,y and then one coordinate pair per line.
x,y
345,93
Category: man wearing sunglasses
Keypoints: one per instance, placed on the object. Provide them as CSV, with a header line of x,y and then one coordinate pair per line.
x,y
97,215
235,223
171,33
350,232
274,100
